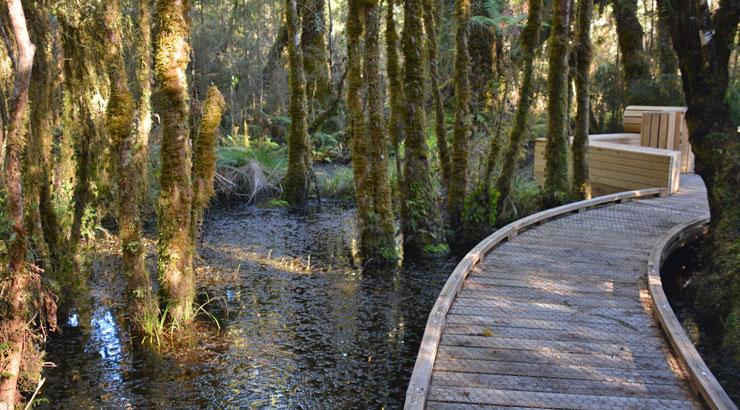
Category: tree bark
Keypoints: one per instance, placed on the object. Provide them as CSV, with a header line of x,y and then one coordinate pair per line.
x,y
395,89
313,47
530,39
556,153
635,65
15,279
296,182
703,42
440,129
176,194
419,218
581,184
383,246
463,124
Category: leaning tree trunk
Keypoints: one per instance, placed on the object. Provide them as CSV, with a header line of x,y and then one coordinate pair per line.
x,y
296,182
176,193
383,247
15,280
419,218
440,129
463,125
530,39
204,163
128,174
581,184
634,60
395,89
703,61
556,153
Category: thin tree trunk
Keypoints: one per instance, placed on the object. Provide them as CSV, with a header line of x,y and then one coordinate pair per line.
x,y
440,129
581,184
313,47
556,154
395,89
296,182
530,39
144,112
463,123
634,61
176,194
15,279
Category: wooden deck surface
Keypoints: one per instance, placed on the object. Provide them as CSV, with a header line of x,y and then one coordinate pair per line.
x,y
559,316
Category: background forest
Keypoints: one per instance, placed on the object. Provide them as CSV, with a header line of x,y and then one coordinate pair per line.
x,y
135,121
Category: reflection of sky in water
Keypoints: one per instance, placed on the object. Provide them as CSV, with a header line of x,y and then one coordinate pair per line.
x,y
73,320
105,339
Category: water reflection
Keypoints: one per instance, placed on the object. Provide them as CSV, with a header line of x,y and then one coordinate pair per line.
x,y
332,336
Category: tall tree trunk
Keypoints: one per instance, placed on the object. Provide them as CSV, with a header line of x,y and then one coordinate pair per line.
x,y
204,164
16,279
176,194
556,154
296,182
419,218
463,125
315,61
36,168
144,111
530,39
634,61
356,126
440,129
120,118
395,88
670,82
383,247
581,185
703,60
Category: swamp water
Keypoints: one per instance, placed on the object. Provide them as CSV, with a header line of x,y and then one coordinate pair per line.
x,y
300,326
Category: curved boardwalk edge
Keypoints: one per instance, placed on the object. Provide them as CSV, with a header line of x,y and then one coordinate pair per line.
x,y
701,377
418,388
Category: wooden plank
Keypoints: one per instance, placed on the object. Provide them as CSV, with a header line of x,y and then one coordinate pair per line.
x,y
646,130
554,400
654,128
663,130
701,376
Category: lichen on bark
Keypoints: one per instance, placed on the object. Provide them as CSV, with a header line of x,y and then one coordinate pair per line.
x,y
581,185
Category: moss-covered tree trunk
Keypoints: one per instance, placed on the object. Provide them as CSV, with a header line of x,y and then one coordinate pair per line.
x,y
463,125
581,185
530,39
556,154
382,246
171,57
703,61
15,279
395,88
204,162
419,215
634,60
43,228
119,122
313,47
670,81
440,128
144,111
296,182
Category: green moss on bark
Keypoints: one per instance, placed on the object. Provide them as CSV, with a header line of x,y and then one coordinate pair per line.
x,y
395,89
556,153
463,123
296,182
204,163
419,214
581,184
171,58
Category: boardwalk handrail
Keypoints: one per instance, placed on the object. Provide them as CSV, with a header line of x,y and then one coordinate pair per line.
x,y
701,377
418,388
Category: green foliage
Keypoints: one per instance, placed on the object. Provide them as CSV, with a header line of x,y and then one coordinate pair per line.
x,y
336,183
733,101
436,249
277,203
329,147
269,154
479,213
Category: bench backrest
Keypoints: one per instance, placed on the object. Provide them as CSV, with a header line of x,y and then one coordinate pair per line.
x,y
661,127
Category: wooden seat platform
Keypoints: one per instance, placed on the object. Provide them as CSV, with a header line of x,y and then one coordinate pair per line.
x,y
553,311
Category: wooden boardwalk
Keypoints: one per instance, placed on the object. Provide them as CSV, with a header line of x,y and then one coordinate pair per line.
x,y
559,316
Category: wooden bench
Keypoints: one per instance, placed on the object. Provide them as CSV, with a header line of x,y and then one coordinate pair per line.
x,y
661,127
616,167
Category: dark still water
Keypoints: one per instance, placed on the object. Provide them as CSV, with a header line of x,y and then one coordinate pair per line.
x,y
301,327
